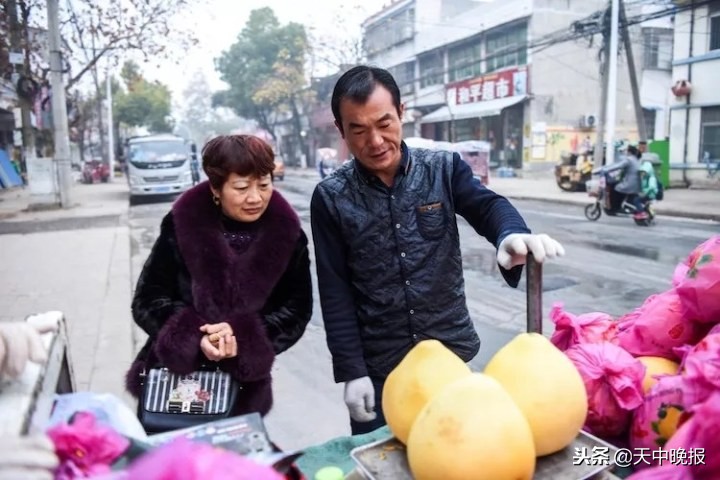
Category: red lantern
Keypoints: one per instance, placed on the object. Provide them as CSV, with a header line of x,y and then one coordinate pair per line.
x,y
681,88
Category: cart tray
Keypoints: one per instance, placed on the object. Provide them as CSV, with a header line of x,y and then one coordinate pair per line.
x,y
387,460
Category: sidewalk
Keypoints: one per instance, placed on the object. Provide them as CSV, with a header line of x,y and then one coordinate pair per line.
x,y
87,201
75,260
678,202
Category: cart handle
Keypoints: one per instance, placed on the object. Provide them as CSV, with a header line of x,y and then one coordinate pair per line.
x,y
534,295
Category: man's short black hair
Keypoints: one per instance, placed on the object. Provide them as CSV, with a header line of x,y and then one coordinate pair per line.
x,y
358,83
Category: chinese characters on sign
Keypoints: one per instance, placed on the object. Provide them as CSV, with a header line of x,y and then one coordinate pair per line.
x,y
624,457
507,83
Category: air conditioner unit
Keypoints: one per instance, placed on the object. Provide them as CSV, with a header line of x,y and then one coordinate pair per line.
x,y
588,121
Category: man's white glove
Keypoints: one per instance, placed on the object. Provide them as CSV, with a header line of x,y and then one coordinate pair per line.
x,y
27,458
20,342
360,399
514,248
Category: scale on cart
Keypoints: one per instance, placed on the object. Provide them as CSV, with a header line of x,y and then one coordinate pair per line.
x,y
387,460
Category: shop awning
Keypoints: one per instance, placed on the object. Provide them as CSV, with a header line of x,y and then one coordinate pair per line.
x,y
472,110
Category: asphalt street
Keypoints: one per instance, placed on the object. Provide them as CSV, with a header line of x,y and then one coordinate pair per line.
x,y
611,266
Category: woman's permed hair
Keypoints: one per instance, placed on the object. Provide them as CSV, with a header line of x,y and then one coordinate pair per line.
x,y
245,155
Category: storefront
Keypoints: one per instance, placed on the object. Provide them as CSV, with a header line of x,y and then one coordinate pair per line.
x,y
489,108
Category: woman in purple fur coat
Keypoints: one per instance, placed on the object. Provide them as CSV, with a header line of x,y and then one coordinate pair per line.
x,y
228,279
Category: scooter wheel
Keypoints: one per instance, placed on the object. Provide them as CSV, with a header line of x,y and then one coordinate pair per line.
x,y
593,212
643,222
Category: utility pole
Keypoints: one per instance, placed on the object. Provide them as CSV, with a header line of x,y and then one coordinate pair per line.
x,y
639,117
598,152
612,82
28,135
110,136
59,107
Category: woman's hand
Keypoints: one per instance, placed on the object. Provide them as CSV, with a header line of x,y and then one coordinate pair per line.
x,y
226,347
216,331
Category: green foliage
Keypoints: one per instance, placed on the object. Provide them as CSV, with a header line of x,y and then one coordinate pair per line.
x,y
142,103
130,73
264,67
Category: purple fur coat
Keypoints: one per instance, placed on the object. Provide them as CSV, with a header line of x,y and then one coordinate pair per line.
x,y
193,277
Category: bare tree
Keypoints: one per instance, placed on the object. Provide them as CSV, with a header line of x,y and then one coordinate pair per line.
x,y
338,45
96,30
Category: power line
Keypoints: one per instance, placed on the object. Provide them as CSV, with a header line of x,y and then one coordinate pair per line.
x,y
595,25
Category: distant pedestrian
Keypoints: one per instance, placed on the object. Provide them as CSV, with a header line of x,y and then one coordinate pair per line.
x,y
228,279
321,168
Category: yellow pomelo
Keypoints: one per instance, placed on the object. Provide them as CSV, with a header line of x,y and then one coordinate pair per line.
x,y
424,371
472,429
656,366
546,386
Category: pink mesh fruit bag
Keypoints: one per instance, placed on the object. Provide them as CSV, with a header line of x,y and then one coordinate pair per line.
x,y
700,436
662,411
657,327
701,368
671,401
692,453
613,381
699,287
572,329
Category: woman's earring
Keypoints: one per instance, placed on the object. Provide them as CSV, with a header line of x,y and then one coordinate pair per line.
x,y
216,200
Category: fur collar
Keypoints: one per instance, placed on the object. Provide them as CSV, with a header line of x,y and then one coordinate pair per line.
x,y
226,284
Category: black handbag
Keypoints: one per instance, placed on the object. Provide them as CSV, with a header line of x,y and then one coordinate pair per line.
x,y
171,401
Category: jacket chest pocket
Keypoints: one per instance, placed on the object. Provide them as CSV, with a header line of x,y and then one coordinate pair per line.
x,y
431,220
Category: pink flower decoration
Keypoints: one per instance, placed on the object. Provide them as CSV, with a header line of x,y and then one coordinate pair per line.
x,y
85,447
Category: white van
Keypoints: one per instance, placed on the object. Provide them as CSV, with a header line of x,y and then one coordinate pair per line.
x,y
159,165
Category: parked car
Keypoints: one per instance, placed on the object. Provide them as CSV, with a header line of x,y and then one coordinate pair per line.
x,y
279,171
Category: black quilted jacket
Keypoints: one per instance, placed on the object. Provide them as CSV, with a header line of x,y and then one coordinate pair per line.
x,y
388,259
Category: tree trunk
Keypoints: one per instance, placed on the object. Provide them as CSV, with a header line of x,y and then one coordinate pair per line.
x,y
297,126
262,120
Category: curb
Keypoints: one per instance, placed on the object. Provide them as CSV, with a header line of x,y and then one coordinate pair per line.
x,y
660,211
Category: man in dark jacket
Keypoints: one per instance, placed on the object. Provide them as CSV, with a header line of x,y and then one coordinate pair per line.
x,y
387,244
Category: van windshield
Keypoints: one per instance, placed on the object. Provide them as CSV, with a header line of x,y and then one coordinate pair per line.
x,y
160,151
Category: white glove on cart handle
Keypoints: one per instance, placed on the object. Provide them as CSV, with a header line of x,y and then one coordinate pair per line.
x,y
514,248
360,399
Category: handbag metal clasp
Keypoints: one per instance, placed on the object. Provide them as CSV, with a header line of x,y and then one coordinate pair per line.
x,y
177,406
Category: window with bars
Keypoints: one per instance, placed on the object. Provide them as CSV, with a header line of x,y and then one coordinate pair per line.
x,y
465,61
710,134
649,115
391,31
715,32
404,75
507,47
431,69
657,48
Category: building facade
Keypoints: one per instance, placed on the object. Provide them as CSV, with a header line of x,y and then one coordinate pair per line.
x,y
695,110
495,71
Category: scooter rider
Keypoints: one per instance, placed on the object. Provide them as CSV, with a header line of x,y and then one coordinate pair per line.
x,y
629,184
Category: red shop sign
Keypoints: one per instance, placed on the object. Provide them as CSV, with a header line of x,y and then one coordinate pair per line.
x,y
507,83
